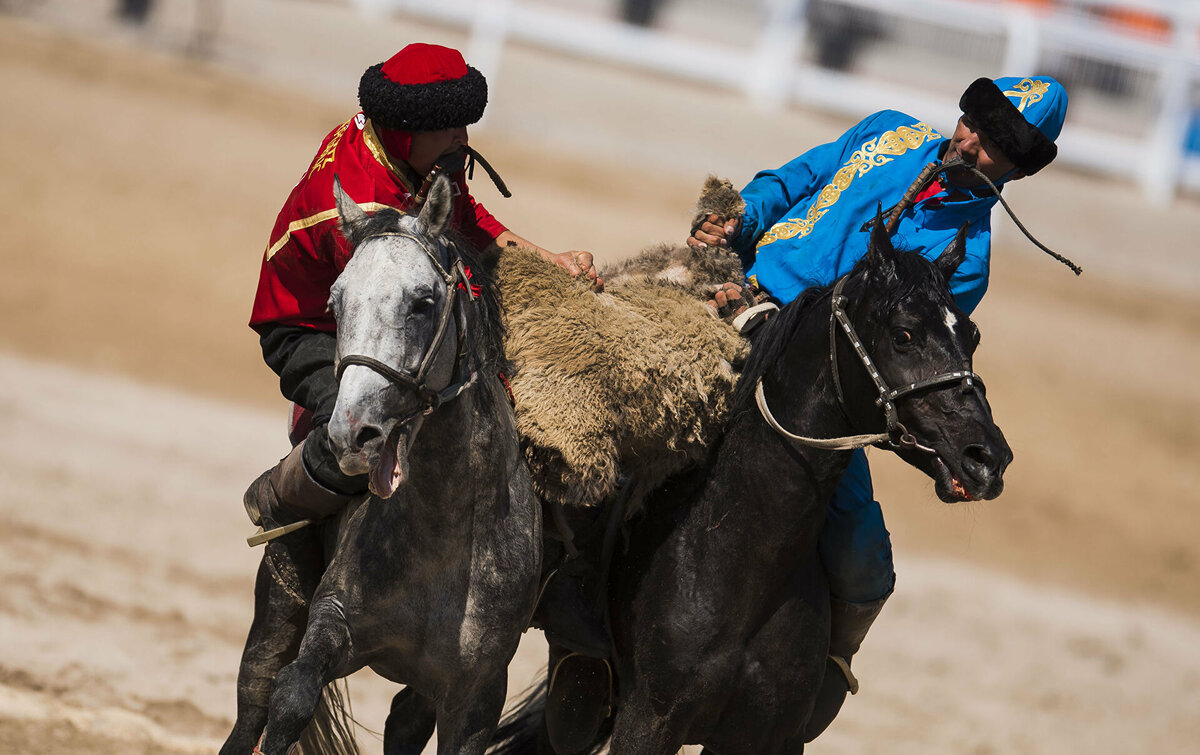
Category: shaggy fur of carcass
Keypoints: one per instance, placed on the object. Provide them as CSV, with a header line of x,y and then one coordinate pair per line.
x,y
696,271
637,380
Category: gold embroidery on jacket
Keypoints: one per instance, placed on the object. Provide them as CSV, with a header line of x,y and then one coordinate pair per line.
x,y
375,145
311,220
878,151
1029,91
326,155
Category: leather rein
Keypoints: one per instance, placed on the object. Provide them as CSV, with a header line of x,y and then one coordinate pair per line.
x,y
896,435
453,305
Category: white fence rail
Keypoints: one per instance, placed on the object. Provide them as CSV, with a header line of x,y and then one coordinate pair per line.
x,y
1138,133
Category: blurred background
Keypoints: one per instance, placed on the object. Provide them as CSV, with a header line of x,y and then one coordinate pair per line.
x,y
148,145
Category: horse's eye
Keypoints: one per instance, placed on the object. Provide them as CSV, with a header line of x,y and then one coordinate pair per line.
x,y
901,337
423,305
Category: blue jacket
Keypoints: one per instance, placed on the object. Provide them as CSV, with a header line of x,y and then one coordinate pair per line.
x,y
803,224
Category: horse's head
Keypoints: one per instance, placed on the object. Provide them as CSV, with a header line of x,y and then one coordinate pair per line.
x,y
915,369
397,333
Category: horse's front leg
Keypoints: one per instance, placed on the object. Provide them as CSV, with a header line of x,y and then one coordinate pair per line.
x,y
287,578
323,654
410,723
467,727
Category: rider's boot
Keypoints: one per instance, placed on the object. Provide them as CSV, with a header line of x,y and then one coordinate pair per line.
x,y
848,625
286,497
567,611
579,696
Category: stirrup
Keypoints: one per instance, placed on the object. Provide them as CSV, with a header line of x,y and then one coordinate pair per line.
x,y
261,536
844,665
607,667
574,716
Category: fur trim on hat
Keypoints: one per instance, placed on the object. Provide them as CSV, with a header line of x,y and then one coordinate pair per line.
x,y
422,107
1022,142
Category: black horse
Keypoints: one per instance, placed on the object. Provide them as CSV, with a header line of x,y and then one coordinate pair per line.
x,y
719,603
432,578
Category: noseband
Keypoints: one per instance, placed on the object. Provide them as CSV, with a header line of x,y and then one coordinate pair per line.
x,y
897,436
456,279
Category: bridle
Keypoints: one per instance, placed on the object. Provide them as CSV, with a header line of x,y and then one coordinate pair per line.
x,y
453,305
896,435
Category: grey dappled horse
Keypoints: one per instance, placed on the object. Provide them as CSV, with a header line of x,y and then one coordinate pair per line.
x,y
432,578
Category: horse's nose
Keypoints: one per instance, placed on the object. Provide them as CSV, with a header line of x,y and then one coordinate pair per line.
x,y
981,463
365,435
354,443
986,464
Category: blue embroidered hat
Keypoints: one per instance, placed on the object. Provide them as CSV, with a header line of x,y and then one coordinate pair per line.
x,y
1022,115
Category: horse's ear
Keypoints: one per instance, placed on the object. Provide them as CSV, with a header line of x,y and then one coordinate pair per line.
x,y
348,210
949,260
435,213
880,253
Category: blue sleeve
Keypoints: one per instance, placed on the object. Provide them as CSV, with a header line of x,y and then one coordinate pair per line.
x,y
772,193
970,280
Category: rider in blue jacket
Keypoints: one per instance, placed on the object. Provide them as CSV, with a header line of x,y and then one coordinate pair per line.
x,y
805,225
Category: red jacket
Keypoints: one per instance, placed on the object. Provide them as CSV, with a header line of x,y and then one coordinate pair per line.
x,y
306,253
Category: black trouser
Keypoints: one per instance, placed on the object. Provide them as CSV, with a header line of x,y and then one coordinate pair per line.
x,y
303,359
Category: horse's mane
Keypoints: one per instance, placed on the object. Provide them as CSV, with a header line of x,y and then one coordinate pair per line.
x,y
913,271
768,342
490,322
384,221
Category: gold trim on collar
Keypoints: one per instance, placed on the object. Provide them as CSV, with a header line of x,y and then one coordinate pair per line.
x,y
375,145
326,156
311,220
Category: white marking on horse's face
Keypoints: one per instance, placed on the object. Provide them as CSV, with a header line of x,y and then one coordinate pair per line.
x,y
950,319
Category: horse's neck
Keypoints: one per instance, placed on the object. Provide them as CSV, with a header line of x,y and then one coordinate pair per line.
x,y
458,456
793,483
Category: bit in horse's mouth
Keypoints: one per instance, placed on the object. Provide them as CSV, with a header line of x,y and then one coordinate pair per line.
x,y
949,488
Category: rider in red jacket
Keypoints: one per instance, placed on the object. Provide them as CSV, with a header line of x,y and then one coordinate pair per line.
x,y
416,107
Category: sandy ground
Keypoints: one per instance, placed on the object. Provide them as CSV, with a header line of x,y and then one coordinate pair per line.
x,y
136,194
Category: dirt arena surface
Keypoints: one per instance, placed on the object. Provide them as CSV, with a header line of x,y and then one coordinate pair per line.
x,y
136,193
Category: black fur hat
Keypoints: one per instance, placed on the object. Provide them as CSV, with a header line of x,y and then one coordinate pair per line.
x,y
423,88
1020,130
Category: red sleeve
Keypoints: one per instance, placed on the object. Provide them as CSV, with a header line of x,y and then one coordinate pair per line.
x,y
294,284
305,255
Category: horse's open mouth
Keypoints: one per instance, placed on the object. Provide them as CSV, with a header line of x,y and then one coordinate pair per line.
x,y
948,487
392,467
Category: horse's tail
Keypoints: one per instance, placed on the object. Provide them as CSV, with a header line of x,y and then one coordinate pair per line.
x,y
331,731
521,727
